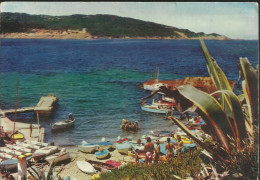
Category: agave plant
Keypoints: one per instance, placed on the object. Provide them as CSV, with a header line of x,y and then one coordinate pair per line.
x,y
222,110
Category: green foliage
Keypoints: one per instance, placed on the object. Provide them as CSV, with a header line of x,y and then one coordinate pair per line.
x,y
97,25
186,164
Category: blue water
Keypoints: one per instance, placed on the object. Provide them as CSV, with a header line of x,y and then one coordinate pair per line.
x,y
98,80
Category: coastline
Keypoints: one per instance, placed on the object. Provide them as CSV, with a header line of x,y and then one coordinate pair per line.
x,y
78,34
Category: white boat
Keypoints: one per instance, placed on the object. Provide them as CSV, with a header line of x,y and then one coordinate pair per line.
x,y
58,157
86,167
153,87
124,147
88,147
47,150
137,146
157,107
62,124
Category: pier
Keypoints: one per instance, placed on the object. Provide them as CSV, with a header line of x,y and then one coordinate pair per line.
x,y
44,106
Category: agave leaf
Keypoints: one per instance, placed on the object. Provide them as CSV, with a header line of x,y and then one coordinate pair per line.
x,y
250,89
218,77
215,72
248,121
241,98
238,122
212,110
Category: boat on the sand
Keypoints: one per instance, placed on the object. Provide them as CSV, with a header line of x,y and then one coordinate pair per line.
x,y
58,157
86,167
102,154
100,166
123,147
114,163
88,147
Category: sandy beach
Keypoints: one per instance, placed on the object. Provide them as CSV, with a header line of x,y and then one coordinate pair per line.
x,y
71,169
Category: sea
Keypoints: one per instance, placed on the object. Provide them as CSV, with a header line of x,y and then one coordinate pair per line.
x,y
99,80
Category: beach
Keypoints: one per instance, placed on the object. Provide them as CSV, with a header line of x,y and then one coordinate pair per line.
x,y
71,169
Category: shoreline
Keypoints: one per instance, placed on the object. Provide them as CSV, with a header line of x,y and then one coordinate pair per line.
x,y
78,34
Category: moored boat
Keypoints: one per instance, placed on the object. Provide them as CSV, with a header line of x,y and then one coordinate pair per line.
x,y
62,124
86,167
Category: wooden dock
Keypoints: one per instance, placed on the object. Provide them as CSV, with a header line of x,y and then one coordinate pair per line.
x,y
44,106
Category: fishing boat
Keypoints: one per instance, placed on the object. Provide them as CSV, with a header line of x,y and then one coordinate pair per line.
x,y
88,147
58,157
123,147
102,154
100,166
86,167
62,124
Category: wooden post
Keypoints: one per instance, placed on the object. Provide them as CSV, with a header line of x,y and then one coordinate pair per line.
x,y
38,126
17,92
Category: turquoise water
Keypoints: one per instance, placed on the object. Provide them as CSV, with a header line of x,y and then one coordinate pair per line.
x,y
98,81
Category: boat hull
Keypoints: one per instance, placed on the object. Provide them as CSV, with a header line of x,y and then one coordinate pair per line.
x,y
86,167
159,111
62,125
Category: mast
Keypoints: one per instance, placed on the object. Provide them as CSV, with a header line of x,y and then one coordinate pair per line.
x,y
17,92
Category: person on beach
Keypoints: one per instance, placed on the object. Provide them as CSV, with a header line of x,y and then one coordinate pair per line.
x,y
157,152
179,145
148,149
170,147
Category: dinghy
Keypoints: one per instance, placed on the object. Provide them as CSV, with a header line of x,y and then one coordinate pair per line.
x,y
58,157
124,147
114,163
86,167
62,124
88,147
102,154
100,166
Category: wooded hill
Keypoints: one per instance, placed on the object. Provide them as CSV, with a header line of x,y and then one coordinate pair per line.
x,y
97,25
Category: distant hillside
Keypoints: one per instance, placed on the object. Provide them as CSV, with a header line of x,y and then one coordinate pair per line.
x,y
100,26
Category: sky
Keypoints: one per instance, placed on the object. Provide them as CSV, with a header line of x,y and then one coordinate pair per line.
x,y
237,20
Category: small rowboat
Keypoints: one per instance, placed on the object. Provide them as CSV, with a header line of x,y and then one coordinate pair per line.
x,y
88,148
114,163
100,166
122,140
124,147
17,136
62,124
86,167
102,154
58,157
